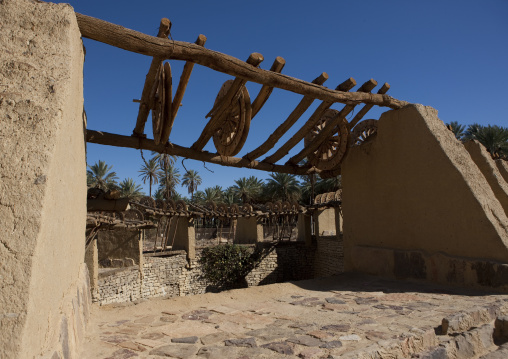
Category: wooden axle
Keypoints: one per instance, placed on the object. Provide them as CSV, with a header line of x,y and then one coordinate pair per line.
x,y
366,108
138,42
111,139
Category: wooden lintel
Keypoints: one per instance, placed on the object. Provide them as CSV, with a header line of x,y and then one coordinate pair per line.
x,y
111,139
138,42
144,106
309,125
286,125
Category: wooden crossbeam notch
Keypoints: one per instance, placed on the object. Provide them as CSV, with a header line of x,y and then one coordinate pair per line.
x,y
145,102
330,126
309,125
180,91
286,125
218,112
366,108
266,91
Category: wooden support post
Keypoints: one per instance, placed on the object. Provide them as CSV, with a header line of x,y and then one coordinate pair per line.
x,y
111,139
185,237
180,91
145,103
286,125
140,43
304,229
330,126
366,108
92,261
309,125
266,91
220,109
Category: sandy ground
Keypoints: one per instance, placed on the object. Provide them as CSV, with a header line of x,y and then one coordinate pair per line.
x,y
317,318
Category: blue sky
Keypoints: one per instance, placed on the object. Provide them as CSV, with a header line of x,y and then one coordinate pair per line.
x,y
451,55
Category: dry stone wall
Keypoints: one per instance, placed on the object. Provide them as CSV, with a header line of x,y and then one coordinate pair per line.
x,y
176,276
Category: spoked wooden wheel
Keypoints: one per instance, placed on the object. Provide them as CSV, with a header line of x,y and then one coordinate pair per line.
x,y
362,131
331,152
232,133
162,97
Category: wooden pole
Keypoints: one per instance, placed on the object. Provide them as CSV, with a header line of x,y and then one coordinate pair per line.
x,y
309,125
286,125
110,139
184,79
366,108
144,106
330,126
266,91
218,111
135,41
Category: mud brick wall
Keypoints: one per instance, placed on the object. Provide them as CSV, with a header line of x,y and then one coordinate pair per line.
x,y
329,256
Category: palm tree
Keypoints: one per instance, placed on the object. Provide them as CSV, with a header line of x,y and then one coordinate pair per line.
x,y
213,194
169,179
457,129
494,138
283,186
150,172
247,189
100,176
191,180
329,184
129,189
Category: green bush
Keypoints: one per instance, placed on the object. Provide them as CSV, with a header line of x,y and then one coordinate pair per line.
x,y
224,266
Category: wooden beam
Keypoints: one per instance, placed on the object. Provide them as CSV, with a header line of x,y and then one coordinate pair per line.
x,y
220,109
286,125
138,42
266,91
330,126
100,204
180,91
366,108
111,139
309,125
145,103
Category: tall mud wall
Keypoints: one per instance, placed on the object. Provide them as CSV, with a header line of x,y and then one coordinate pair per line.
x,y
44,290
417,205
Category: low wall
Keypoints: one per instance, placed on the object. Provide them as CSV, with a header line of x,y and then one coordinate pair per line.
x,y
176,276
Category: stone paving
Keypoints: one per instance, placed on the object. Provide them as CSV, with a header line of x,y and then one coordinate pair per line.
x,y
344,316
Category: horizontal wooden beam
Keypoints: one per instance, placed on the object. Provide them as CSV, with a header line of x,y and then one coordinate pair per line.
x,y
138,42
111,139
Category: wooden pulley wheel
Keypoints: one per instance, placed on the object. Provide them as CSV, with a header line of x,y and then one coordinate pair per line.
x,y
317,199
161,204
211,206
295,206
147,201
247,208
181,206
330,196
234,209
222,209
331,152
133,214
170,205
269,206
338,195
277,206
362,131
235,122
158,97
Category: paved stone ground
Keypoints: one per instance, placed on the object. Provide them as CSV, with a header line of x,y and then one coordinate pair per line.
x,y
342,316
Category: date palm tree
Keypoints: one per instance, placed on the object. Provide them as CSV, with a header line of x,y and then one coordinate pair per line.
x,y
494,138
169,179
191,180
213,194
283,187
150,171
458,130
247,188
100,175
129,189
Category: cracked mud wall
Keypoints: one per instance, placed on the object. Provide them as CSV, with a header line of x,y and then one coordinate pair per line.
x,y
414,187
43,280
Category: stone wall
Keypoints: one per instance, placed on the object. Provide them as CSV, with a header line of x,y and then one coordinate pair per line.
x,y
413,187
176,276
42,181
